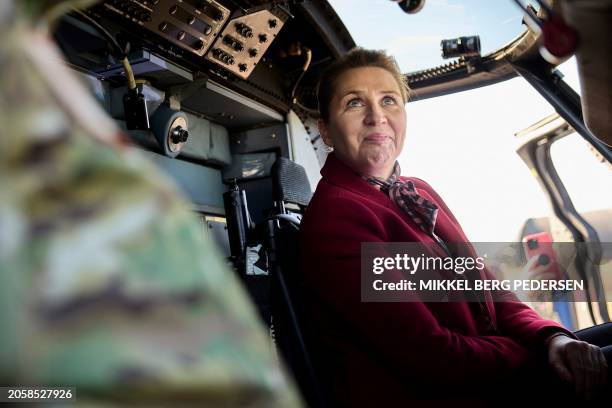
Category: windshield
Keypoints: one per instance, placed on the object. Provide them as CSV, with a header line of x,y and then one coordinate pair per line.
x,y
414,39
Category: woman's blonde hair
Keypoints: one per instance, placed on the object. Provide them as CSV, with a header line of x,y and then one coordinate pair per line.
x,y
356,58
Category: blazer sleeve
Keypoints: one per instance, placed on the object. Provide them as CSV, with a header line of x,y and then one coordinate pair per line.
x,y
407,336
517,320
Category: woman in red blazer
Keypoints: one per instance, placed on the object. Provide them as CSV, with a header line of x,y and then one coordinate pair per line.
x,y
391,353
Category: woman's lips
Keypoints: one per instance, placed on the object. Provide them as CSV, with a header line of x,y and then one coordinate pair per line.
x,y
377,138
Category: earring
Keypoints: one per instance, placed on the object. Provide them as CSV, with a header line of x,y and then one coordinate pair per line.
x,y
328,146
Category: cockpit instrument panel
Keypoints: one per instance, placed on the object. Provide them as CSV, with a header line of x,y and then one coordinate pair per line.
x,y
207,29
245,39
190,24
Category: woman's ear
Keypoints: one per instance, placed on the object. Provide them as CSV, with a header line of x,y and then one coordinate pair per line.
x,y
324,132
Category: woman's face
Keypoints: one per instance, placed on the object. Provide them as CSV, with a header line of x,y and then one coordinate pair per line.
x,y
367,121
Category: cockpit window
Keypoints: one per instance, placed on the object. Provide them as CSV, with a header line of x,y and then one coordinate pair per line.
x,y
415,39
588,183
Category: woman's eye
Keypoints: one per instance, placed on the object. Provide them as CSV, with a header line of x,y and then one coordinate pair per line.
x,y
388,100
354,103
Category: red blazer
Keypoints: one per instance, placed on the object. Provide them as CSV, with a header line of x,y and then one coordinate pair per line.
x,y
391,353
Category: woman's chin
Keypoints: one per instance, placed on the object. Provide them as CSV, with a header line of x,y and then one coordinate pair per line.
x,y
378,162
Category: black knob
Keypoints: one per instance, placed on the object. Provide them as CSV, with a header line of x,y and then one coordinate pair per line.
x,y
184,135
253,52
199,45
180,36
244,30
263,38
179,135
163,26
207,30
173,9
272,23
233,43
242,67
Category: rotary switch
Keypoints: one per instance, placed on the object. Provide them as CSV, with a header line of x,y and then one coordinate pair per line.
x,y
179,135
244,30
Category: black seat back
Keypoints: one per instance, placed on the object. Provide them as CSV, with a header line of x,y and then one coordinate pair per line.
x,y
290,183
290,186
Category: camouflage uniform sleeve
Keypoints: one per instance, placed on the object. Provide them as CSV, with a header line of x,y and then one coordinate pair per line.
x,y
106,281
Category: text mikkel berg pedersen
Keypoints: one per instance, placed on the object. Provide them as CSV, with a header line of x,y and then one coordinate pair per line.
x,y
459,266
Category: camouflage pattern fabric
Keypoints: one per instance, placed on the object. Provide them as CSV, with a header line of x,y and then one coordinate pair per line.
x,y
107,283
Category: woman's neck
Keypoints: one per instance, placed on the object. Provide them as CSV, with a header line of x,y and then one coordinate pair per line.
x,y
380,173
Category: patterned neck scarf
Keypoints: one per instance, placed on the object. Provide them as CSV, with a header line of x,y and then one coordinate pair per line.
x,y
420,210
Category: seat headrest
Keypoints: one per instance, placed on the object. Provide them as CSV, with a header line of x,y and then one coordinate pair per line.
x,y
290,183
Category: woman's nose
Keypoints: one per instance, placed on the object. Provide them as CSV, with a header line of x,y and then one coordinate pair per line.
x,y
375,116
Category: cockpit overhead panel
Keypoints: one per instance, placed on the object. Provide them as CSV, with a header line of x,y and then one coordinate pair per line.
x,y
245,39
207,29
190,24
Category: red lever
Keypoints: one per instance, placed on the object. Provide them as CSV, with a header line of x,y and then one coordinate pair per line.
x,y
559,39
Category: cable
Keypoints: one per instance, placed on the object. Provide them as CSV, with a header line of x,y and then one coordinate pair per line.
x,y
119,52
116,48
304,69
293,98
314,112
129,73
